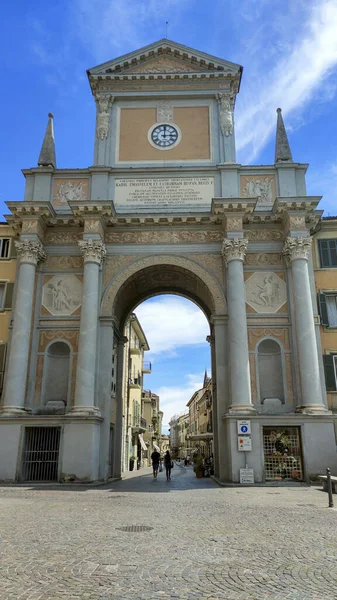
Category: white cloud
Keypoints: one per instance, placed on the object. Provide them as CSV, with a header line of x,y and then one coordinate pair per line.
x,y
173,399
294,79
170,322
108,27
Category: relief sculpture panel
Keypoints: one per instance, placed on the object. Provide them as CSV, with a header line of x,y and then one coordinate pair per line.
x,y
266,292
61,295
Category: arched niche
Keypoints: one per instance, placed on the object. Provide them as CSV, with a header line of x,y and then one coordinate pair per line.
x,y
56,373
270,372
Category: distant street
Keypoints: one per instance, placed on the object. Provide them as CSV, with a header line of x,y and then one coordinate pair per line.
x,y
203,541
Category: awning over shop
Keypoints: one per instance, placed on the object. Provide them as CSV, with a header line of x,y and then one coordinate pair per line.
x,y
156,447
142,443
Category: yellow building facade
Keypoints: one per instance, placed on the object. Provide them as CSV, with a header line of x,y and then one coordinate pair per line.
x,y
325,270
7,278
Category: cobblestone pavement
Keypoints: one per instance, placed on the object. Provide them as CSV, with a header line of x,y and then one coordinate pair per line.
x,y
206,542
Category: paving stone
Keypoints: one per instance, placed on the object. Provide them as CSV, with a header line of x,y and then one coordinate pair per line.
x,y
207,542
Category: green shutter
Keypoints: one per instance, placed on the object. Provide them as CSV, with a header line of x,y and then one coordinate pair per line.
x,y
323,311
330,378
8,302
3,348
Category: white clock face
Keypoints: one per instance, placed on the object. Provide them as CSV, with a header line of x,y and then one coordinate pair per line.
x,y
164,136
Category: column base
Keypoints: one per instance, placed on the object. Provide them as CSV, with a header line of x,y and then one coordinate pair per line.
x,y
313,409
14,411
84,411
241,409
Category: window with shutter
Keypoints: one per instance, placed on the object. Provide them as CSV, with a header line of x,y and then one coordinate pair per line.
x,y
323,311
8,299
330,371
328,252
3,348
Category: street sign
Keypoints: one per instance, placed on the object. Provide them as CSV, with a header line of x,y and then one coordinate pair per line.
x,y
244,427
246,475
244,443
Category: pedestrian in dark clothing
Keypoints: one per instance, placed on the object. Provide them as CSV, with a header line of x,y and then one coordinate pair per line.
x,y
155,457
168,464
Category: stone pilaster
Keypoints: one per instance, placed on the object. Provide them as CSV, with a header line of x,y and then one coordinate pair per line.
x,y
93,252
29,254
297,251
234,252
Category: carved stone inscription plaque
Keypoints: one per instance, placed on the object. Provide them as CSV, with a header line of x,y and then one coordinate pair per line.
x,y
169,191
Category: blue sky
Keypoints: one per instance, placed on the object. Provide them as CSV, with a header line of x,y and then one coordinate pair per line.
x,y
288,50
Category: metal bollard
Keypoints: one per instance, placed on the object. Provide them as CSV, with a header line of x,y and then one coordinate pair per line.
x,y
329,487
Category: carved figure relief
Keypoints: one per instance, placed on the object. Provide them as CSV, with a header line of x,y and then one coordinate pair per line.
x,y
164,112
62,295
226,103
261,187
265,292
66,190
103,102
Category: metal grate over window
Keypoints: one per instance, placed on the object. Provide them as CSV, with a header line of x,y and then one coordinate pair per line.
x,y
282,454
41,454
135,528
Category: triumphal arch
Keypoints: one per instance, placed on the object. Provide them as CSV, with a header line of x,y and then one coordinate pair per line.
x,y
165,208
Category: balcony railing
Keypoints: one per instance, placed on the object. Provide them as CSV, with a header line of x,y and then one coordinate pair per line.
x,y
147,367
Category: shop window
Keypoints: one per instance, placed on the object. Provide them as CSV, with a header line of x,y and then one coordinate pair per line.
x,y
282,454
328,252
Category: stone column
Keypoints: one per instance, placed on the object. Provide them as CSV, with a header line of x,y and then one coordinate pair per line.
x,y
297,251
29,254
234,252
93,252
221,388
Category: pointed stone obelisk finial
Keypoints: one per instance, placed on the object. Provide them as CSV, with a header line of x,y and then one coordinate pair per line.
x,y
47,156
282,148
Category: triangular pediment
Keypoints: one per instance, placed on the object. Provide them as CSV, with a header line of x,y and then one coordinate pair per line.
x,y
165,56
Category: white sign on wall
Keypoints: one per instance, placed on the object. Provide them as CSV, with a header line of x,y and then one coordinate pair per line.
x,y
163,191
246,475
244,427
244,443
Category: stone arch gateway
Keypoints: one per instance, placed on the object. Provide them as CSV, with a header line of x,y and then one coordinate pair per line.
x,y
166,207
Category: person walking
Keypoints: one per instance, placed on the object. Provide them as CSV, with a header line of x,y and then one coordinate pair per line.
x,y
168,464
155,457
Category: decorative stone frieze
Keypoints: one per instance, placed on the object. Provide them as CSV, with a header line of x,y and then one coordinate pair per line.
x,y
263,259
234,223
295,248
63,263
226,105
234,249
92,250
103,102
263,235
30,251
163,237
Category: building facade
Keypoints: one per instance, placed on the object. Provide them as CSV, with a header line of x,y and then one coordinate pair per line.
x,y
325,269
7,278
134,422
165,208
153,416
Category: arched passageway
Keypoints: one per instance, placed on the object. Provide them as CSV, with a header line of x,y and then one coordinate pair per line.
x,y
162,275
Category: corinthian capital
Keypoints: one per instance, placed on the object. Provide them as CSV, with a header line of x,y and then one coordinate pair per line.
x,y
295,248
92,250
234,249
30,251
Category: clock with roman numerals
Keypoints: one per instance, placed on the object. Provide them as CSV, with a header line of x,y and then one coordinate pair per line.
x,y
164,136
